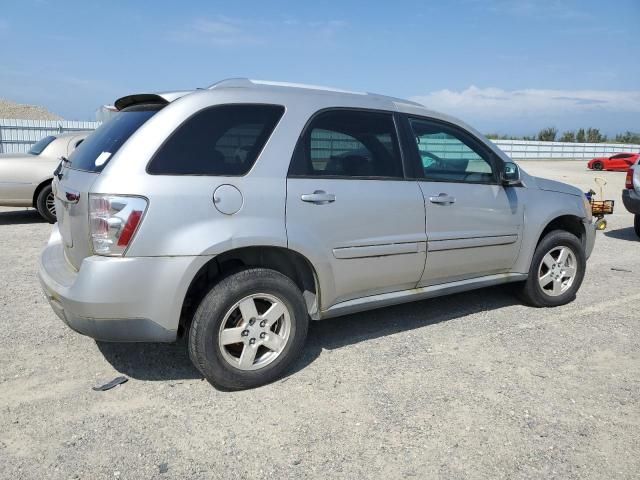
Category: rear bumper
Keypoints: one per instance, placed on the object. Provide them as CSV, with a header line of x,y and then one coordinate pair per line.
x,y
117,299
631,201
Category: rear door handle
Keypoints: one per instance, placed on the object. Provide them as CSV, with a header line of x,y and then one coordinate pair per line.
x,y
319,197
443,199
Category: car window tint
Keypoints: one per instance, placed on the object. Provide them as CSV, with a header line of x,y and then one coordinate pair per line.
x,y
447,154
39,147
220,140
345,143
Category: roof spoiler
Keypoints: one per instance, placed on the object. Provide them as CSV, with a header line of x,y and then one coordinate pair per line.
x,y
148,98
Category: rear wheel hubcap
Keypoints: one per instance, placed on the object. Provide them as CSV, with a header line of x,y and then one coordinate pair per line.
x,y
254,331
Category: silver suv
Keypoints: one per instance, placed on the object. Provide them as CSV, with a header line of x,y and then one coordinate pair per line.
x,y
236,213
631,195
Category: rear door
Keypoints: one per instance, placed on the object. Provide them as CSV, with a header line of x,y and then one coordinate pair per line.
x,y
349,208
474,224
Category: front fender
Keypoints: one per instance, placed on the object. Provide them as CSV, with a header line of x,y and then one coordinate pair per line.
x,y
541,208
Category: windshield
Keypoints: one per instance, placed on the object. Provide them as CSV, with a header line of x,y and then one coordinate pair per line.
x,y
37,148
94,153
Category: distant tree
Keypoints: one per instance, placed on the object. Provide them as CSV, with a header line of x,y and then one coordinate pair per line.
x,y
498,136
628,137
591,135
547,134
568,137
594,136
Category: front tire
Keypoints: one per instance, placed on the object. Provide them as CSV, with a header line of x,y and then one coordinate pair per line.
x,y
45,204
636,224
598,166
248,329
556,272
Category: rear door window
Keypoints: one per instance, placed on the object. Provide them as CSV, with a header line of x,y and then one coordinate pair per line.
x,y
93,154
221,140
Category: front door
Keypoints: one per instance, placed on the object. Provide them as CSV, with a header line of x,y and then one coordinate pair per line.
x,y
349,209
474,224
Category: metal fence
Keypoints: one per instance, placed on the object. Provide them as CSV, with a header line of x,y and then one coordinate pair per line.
x,y
523,150
18,135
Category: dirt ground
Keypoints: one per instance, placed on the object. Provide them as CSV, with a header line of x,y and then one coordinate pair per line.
x,y
473,385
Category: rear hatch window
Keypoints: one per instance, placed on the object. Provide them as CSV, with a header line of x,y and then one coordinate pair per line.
x,y
94,153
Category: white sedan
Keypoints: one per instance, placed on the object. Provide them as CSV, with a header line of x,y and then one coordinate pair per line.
x,y
25,178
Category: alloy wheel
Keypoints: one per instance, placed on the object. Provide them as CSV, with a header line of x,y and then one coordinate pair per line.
x,y
254,331
557,271
50,204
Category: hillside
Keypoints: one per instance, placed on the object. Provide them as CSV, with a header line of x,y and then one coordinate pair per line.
x,y
9,109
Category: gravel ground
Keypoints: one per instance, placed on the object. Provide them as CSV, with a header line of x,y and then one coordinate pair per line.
x,y
9,109
473,385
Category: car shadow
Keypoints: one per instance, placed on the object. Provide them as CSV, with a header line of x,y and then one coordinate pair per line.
x,y
627,233
20,217
158,361
335,333
150,361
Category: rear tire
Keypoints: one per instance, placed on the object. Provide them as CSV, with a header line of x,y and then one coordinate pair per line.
x,y
45,204
556,272
236,342
636,224
597,166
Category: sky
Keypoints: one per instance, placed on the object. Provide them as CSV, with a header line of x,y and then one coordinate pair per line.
x,y
505,66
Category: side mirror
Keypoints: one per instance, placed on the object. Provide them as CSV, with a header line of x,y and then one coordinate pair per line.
x,y
510,175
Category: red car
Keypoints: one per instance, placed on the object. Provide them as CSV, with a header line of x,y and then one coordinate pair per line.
x,y
619,162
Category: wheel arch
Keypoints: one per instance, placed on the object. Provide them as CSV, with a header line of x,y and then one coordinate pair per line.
x,y
536,228
38,189
569,223
284,260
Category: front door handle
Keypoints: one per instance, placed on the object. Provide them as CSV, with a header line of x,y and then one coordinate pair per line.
x,y
319,197
443,199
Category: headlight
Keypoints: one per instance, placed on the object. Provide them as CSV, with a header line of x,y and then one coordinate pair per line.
x,y
587,208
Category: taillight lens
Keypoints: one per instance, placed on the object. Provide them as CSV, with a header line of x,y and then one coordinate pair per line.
x,y
113,222
628,183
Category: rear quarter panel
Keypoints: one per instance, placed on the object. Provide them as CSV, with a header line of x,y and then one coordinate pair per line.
x,y
181,218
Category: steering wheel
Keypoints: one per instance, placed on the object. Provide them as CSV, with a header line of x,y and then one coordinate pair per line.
x,y
436,159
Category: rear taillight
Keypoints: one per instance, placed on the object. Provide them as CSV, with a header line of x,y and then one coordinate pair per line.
x,y
113,222
628,183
